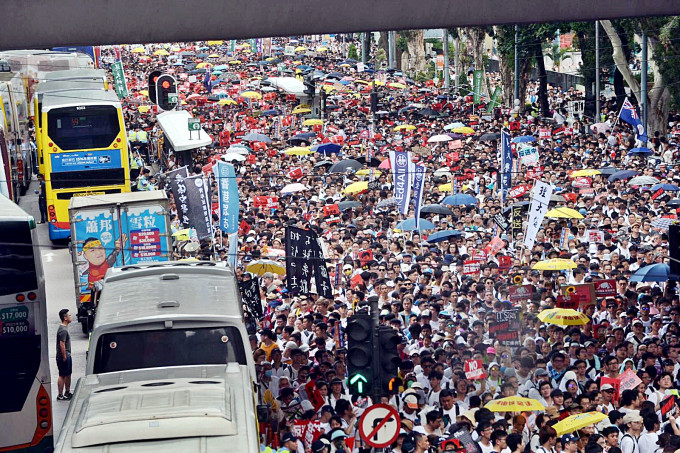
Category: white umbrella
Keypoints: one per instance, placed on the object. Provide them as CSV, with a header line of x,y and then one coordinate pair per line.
x,y
238,149
439,138
295,187
643,181
442,172
229,157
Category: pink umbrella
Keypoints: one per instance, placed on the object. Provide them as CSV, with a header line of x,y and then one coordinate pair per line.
x,y
385,165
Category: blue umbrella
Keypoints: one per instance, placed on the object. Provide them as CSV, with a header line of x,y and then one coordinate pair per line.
x,y
410,225
660,272
326,148
270,113
666,187
440,236
524,139
623,174
460,199
178,63
641,151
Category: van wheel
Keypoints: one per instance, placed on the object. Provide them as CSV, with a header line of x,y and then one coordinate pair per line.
x,y
84,325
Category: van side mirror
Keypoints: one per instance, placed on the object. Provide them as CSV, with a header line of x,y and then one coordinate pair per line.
x,y
262,413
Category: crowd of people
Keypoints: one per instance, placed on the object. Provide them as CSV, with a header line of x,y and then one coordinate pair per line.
x,y
443,308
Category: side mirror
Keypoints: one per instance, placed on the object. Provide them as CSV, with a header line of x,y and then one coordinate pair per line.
x,y
262,413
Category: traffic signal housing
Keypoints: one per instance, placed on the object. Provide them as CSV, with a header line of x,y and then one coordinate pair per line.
x,y
674,250
310,87
388,374
166,92
360,351
153,78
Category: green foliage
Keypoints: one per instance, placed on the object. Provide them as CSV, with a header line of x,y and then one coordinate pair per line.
x,y
352,53
402,42
428,74
663,33
380,57
436,44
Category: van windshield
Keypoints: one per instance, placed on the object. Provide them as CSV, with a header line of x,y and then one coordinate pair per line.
x,y
121,351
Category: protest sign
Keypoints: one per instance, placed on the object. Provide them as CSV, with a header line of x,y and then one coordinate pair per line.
x,y
585,293
628,380
667,406
605,288
471,267
474,369
520,293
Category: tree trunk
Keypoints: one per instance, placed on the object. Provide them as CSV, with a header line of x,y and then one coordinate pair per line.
x,y
620,59
506,64
619,89
475,36
659,97
543,103
415,43
384,43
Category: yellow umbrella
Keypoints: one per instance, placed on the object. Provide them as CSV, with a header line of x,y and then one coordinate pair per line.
x,y
397,85
312,122
138,50
143,108
463,130
555,264
356,187
202,65
251,95
585,172
298,110
175,49
260,267
328,88
215,43
563,317
226,102
234,61
514,404
362,82
300,49
345,65
445,187
322,49
182,235
378,83
162,52
578,421
213,55
298,151
564,213
366,171
405,127
144,92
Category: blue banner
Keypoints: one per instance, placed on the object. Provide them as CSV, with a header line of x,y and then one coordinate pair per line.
x,y
401,163
418,185
229,203
233,250
506,165
83,161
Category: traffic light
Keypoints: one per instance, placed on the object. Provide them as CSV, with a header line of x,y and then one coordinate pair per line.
x,y
374,101
166,92
310,87
388,339
674,249
360,354
153,78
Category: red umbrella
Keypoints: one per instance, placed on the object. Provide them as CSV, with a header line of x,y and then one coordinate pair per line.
x,y
385,165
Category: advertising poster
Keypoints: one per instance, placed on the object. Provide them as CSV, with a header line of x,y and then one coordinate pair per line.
x,y
83,161
146,229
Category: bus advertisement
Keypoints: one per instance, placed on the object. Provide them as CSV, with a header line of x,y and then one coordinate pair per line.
x,y
83,148
25,407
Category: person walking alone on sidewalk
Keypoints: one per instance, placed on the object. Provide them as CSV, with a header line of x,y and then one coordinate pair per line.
x,y
64,356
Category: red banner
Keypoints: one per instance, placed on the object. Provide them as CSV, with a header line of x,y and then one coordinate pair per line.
x,y
518,191
266,202
471,267
519,293
474,369
605,288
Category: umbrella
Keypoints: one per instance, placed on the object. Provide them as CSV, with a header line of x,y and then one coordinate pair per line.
x,y
143,108
239,148
608,171
298,110
294,187
622,174
674,203
578,421
410,225
297,151
256,137
349,204
312,122
323,163
585,172
659,272
367,171
372,162
641,151
385,164
456,125
260,267
564,213
138,50
387,203
444,235
270,113
563,317
643,181
162,52
555,264
524,139
405,127
326,148
663,223
344,165
429,112
251,95
303,136
463,130
557,198
460,199
436,209
666,187
514,404
444,171
489,137
228,157
439,138
226,102
356,187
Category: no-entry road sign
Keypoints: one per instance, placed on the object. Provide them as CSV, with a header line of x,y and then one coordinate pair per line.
x,y
379,425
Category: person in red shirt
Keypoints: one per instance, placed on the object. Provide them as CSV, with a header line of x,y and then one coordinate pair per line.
x,y
98,262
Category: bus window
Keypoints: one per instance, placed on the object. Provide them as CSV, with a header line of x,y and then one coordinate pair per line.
x,y
141,349
83,127
17,263
21,361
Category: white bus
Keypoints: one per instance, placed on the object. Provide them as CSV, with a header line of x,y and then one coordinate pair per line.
x,y
26,403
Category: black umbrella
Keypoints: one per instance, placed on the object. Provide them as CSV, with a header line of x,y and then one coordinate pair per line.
x,y
608,170
489,137
435,209
334,75
323,163
674,203
428,112
344,165
373,162
344,205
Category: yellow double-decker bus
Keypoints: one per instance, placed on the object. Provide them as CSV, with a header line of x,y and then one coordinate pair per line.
x,y
82,147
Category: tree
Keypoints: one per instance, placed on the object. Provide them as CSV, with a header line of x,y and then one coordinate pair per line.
x,y
556,53
352,52
415,49
475,36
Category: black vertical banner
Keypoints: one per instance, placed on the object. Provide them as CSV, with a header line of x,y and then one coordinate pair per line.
x,y
304,260
250,296
199,215
175,179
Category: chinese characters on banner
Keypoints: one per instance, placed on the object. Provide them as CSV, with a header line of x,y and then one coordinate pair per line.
x,y
179,191
250,296
528,156
401,174
304,260
506,165
199,215
418,186
228,193
537,210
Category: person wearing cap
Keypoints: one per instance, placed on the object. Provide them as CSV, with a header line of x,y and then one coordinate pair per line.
x,y
569,443
607,391
632,427
410,408
338,444
289,442
320,446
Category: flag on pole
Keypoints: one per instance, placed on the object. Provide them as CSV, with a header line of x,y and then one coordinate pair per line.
x,y
630,116
207,81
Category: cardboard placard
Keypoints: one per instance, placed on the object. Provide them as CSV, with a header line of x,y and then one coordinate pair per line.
x,y
595,236
667,406
518,191
567,302
605,288
474,369
585,293
628,381
466,440
614,382
471,267
520,293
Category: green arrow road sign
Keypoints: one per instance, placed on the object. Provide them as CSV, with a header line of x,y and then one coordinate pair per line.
x,y
360,381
